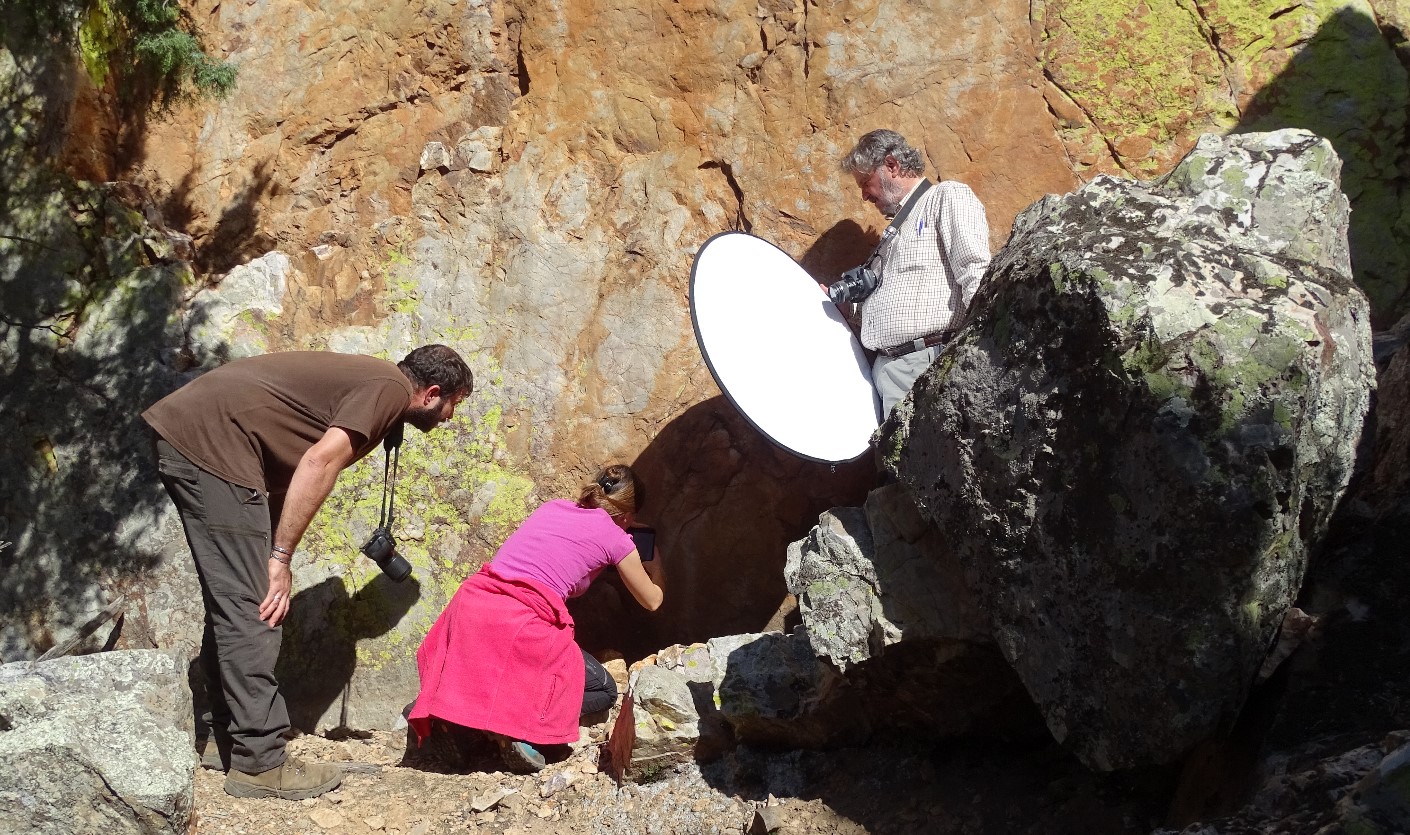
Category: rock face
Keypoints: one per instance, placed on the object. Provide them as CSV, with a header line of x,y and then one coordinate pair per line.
x,y
99,743
1142,431
510,177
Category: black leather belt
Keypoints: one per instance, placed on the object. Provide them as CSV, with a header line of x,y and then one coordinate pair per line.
x,y
937,338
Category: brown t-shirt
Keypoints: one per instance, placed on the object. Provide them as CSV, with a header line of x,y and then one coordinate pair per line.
x,y
251,420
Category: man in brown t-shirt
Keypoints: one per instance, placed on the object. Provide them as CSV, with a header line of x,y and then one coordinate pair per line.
x,y
248,453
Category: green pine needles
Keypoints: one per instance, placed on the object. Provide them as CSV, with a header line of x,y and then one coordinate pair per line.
x,y
150,49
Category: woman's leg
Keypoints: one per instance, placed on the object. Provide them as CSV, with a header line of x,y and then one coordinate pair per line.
x,y
599,690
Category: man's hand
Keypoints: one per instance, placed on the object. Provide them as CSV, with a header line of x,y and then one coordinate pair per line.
x,y
276,601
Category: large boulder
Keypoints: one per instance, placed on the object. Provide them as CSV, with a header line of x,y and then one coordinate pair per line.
x,y
96,743
1143,431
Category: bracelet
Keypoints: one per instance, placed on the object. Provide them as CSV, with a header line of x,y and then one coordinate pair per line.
x,y
279,556
285,551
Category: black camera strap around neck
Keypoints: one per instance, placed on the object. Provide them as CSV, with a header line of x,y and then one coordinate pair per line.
x,y
392,446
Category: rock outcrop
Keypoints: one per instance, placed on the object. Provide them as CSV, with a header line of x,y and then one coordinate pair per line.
x,y
871,577
1142,432
884,601
99,743
1362,789
510,176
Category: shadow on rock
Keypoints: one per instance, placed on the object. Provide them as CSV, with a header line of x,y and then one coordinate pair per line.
x,y
319,658
1348,86
725,502
89,280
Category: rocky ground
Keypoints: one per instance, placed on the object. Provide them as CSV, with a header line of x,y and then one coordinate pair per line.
x,y
895,786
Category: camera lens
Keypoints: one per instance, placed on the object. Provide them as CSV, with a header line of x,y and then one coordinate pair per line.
x,y
396,567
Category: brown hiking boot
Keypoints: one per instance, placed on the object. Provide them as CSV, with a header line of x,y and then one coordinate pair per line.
x,y
294,780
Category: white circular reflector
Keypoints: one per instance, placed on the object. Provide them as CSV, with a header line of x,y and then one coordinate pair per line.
x,y
780,350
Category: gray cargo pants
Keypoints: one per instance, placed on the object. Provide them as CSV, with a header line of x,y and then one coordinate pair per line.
x,y
228,528
894,376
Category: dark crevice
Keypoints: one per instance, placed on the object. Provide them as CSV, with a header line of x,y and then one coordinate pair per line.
x,y
1226,61
742,222
1106,140
806,42
521,69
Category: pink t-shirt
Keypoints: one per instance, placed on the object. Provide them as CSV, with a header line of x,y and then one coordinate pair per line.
x,y
563,546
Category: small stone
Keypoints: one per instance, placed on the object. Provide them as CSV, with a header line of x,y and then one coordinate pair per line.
x,y
766,820
420,829
557,782
435,156
327,818
376,823
488,800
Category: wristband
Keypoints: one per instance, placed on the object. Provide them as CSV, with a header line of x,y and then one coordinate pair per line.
x,y
285,551
281,556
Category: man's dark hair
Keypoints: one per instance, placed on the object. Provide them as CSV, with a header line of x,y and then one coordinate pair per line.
x,y
438,365
873,149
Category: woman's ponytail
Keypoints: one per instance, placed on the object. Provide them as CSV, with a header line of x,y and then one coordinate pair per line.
x,y
614,489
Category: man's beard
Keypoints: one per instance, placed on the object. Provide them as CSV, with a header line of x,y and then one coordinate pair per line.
x,y
891,193
424,419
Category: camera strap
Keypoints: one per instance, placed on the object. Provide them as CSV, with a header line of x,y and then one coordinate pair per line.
x,y
392,446
894,227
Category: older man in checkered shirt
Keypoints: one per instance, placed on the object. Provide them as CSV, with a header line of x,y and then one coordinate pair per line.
x,y
928,268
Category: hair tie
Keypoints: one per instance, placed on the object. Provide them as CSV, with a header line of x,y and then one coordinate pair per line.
x,y
607,484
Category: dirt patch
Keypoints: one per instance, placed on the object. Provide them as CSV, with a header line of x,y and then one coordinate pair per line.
x,y
894,786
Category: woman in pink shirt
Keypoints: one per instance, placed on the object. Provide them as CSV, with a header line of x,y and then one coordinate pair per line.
x,y
501,657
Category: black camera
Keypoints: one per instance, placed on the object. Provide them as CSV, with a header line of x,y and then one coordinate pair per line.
x,y
854,285
382,549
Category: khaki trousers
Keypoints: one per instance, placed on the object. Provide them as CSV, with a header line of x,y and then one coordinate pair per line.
x,y
228,528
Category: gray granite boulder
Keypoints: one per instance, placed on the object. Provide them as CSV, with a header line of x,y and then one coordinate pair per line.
x,y
774,690
667,720
96,743
1143,431
761,689
884,600
868,578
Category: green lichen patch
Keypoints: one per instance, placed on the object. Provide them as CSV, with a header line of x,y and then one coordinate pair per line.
x,y
402,293
1144,70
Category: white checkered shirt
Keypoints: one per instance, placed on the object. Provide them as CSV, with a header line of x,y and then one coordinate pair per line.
x,y
919,294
